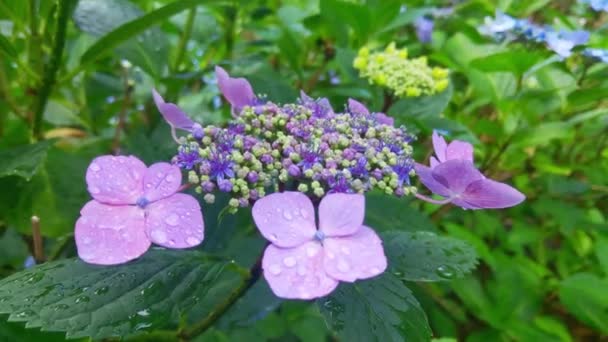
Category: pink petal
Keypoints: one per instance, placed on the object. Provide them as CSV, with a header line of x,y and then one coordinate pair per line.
x,y
357,107
109,235
116,180
486,193
459,150
358,256
172,113
341,214
286,219
425,174
440,146
237,91
456,175
297,273
175,222
434,162
161,180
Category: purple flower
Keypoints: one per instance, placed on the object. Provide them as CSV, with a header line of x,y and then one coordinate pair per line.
x,y
403,168
357,108
174,116
360,168
339,184
320,108
237,91
220,166
134,206
454,176
309,156
294,171
187,159
224,185
303,262
424,29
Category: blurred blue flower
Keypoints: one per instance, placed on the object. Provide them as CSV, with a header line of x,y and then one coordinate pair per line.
x,y
563,42
29,262
424,29
597,5
599,54
498,26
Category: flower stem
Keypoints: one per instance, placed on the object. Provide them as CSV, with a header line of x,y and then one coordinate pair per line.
x,y
181,47
37,240
434,201
50,69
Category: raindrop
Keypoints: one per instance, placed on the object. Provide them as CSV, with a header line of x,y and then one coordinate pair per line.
x,y
144,313
25,314
192,241
172,220
94,190
289,261
95,167
101,290
273,237
60,307
287,215
312,251
275,269
343,266
445,271
169,178
301,270
36,277
82,299
159,236
304,213
345,250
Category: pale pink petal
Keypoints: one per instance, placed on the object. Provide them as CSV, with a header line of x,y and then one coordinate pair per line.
x,y
297,273
341,214
357,107
357,256
440,146
237,91
172,113
425,174
116,179
109,235
286,219
456,175
161,180
459,150
175,222
489,194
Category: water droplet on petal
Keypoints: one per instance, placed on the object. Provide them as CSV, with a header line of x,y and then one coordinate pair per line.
x,y
304,213
143,313
159,236
289,261
169,178
95,167
94,190
192,241
287,215
275,269
273,237
374,270
311,251
172,220
445,271
301,270
345,250
343,266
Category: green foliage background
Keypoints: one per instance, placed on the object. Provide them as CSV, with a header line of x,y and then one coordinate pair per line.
x,y
536,122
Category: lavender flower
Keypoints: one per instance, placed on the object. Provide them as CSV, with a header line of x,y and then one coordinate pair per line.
x,y
424,29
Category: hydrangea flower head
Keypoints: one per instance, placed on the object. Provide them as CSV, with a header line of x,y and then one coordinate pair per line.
x,y
453,176
405,77
132,207
303,262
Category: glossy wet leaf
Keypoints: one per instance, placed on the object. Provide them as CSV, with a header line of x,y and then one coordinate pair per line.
x,y
424,256
150,293
385,213
380,309
23,161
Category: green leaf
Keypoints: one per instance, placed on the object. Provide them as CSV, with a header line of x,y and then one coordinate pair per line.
x,y
23,161
99,301
584,295
124,32
514,61
255,305
13,249
422,106
7,48
387,213
378,309
424,256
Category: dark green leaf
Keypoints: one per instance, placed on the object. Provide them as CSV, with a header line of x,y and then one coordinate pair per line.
x,y
424,256
422,106
7,48
584,295
99,301
385,213
256,304
23,161
379,309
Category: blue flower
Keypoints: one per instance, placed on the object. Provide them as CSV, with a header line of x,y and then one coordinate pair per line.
x,y
403,168
187,159
597,5
220,166
599,54
563,42
360,168
424,29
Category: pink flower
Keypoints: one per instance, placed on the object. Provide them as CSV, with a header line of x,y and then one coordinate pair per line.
x,y
176,118
134,206
304,263
454,176
357,107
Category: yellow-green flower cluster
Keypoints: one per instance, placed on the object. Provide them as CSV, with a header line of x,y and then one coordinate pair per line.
x,y
404,77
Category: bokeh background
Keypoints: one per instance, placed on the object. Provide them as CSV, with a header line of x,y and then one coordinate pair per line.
x,y
537,122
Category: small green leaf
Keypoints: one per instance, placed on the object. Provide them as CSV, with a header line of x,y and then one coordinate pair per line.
x,y
424,256
23,161
134,27
514,61
102,301
379,309
7,48
584,295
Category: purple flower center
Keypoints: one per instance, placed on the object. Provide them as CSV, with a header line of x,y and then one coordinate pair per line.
x,y
187,160
142,202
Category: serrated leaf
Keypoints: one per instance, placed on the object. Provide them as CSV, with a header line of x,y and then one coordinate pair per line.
x,y
23,161
379,309
386,213
424,256
152,292
422,106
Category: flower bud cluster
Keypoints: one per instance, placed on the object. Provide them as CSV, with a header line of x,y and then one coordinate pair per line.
x,y
303,146
405,77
